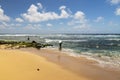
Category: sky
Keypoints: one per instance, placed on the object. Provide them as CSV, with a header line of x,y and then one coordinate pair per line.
x,y
59,16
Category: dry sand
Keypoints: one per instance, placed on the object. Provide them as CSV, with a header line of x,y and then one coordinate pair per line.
x,y
21,65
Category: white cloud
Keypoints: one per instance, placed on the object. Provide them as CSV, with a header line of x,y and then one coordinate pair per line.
x,y
71,23
114,1
117,12
99,19
82,26
3,25
49,25
79,21
33,15
3,17
40,5
64,13
6,25
19,20
80,16
33,26
62,7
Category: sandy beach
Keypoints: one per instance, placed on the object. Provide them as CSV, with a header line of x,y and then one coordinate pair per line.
x,y
59,39
19,65
46,64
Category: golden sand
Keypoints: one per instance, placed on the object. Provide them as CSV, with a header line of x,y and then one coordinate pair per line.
x,y
21,65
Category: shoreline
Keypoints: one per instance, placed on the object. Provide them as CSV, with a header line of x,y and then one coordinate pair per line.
x,y
111,63
79,65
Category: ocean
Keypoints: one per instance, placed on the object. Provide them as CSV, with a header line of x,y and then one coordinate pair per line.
x,y
104,48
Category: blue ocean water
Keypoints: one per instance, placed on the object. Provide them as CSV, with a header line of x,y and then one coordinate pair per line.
x,y
88,43
105,47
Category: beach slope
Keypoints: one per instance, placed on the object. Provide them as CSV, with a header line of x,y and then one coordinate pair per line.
x,y
21,65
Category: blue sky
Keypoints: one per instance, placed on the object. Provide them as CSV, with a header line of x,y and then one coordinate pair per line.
x,y
59,16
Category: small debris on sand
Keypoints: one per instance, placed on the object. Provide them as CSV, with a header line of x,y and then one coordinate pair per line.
x,y
38,69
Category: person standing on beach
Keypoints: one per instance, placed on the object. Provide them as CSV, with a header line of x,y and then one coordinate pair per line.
x,y
28,38
60,45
